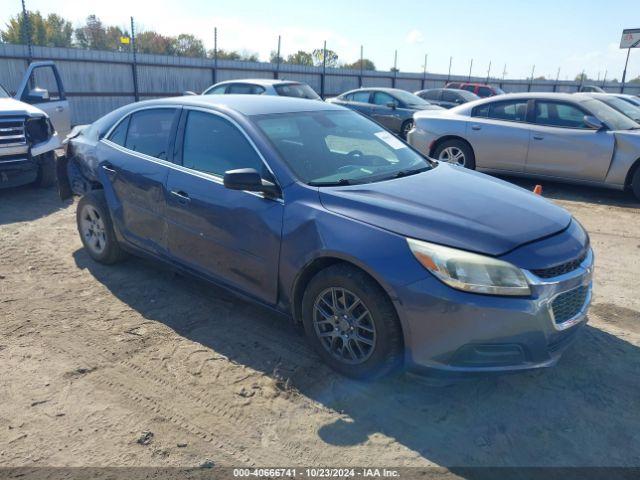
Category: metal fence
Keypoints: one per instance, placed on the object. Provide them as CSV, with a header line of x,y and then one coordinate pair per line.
x,y
97,82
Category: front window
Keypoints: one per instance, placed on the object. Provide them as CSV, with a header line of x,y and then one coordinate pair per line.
x,y
409,99
338,148
3,92
557,114
612,118
296,90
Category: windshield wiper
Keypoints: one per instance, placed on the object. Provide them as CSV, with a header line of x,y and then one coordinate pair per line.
x,y
342,181
406,173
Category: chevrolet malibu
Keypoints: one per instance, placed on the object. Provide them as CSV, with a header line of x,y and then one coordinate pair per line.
x,y
387,258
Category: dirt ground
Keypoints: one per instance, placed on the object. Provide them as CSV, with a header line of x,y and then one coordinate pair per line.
x,y
136,365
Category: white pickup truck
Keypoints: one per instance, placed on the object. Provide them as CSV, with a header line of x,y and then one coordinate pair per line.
x,y
31,126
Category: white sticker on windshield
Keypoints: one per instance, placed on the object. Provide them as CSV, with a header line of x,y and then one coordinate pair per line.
x,y
390,140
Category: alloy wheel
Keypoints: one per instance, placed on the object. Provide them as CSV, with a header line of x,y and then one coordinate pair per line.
x,y
452,155
93,229
344,325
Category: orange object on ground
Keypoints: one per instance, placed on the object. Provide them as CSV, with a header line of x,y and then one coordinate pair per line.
x,y
537,189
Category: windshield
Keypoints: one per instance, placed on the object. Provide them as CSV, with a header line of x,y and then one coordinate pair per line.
x,y
338,148
3,92
631,111
498,91
614,119
410,99
297,90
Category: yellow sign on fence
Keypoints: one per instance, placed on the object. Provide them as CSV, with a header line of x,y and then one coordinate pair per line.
x,y
125,40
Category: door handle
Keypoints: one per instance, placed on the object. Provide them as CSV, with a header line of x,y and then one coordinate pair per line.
x,y
59,109
183,197
538,137
476,127
108,168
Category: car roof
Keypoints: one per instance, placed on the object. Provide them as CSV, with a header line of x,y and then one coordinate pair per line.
x,y
375,89
569,97
258,81
245,104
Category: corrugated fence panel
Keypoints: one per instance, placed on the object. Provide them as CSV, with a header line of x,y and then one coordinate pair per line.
x,y
238,74
89,77
337,84
11,73
88,109
172,80
412,85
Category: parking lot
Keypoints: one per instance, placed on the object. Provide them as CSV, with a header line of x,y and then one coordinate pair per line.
x,y
136,365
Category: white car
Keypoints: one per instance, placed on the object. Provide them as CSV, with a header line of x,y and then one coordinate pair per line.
x,y
31,124
262,86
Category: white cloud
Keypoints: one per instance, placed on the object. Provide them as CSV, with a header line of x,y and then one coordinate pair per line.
x,y
414,37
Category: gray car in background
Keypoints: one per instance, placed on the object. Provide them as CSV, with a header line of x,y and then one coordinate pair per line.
x,y
263,86
620,104
555,136
447,97
391,107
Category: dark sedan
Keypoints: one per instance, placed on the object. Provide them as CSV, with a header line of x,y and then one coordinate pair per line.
x,y
391,107
447,97
385,257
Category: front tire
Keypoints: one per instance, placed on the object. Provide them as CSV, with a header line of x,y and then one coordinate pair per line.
x,y
635,183
406,128
96,229
46,170
456,152
351,323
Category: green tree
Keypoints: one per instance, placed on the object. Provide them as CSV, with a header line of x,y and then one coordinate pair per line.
x,y
273,57
226,54
248,56
318,57
16,29
92,35
635,80
366,65
153,42
300,58
188,45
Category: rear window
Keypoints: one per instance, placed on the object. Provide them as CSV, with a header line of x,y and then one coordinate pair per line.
x,y
430,94
296,90
511,111
245,89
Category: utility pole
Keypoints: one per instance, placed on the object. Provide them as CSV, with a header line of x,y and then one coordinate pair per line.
x,y
27,30
424,72
324,69
470,68
533,69
626,63
361,65
277,72
395,68
215,55
134,66
449,74
488,72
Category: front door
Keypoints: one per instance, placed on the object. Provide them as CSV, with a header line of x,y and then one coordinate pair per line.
x,y
562,145
232,236
134,171
42,87
388,116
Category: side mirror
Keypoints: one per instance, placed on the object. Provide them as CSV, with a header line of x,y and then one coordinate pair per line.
x,y
392,105
250,180
592,122
188,93
38,95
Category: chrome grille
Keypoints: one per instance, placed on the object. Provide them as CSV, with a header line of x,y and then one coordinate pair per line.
x,y
560,269
568,304
12,132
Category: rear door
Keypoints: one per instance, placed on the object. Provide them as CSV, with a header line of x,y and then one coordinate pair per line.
x,y
562,145
232,236
499,134
360,101
135,161
42,87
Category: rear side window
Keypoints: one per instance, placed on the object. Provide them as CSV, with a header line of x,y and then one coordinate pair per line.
x,y
558,114
119,135
469,88
149,132
296,90
243,88
449,96
214,145
432,95
220,90
362,97
513,111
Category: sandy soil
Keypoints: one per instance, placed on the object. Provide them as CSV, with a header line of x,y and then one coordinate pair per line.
x,y
136,365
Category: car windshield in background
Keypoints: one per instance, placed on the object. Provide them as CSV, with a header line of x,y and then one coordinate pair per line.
x,y
469,96
296,90
498,91
3,92
623,107
326,148
410,99
614,119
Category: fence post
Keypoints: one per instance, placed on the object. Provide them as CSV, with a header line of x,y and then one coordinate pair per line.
x,y
276,74
361,66
324,69
134,65
395,69
424,72
27,30
214,70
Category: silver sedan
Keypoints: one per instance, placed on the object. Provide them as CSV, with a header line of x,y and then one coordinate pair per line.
x,y
555,136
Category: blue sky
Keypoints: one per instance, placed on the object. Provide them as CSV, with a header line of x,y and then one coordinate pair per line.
x,y
570,34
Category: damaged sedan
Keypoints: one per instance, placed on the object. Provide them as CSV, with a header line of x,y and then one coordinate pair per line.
x,y
387,258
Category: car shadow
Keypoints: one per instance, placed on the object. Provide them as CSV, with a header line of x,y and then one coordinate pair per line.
x,y
577,193
583,412
26,203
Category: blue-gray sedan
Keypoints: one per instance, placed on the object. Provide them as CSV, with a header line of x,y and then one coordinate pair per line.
x,y
386,257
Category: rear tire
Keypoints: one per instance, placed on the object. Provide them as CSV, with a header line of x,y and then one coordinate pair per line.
x,y
364,343
46,170
96,229
406,128
456,152
635,183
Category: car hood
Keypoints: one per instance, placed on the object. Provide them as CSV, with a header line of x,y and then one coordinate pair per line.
x,y
10,106
451,206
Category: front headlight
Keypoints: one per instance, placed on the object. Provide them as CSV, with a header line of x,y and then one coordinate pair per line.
x,y
468,271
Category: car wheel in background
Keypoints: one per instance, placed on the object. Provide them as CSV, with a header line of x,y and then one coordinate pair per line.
x,y
96,229
351,323
406,128
46,170
635,183
457,152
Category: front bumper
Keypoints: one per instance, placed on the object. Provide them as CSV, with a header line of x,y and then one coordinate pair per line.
x,y
449,331
20,165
